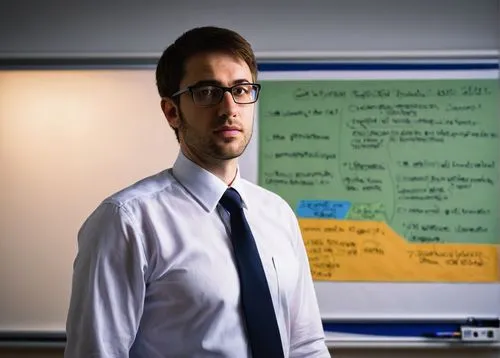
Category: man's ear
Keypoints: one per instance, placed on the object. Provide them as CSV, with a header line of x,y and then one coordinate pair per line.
x,y
171,111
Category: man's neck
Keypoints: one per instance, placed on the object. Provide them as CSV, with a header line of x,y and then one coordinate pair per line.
x,y
225,170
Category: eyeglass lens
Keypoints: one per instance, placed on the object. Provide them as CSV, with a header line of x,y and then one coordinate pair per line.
x,y
209,95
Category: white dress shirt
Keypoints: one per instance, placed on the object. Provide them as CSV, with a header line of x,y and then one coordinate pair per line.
x,y
155,274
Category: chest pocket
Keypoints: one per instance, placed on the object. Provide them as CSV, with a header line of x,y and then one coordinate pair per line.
x,y
285,274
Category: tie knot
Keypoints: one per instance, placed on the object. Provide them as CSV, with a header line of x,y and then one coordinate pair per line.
x,y
231,200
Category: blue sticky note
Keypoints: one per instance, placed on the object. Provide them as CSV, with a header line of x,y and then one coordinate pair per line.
x,y
332,209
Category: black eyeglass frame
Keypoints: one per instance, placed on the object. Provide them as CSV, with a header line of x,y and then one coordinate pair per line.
x,y
224,90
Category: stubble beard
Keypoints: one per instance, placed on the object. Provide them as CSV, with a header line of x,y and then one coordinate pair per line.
x,y
208,148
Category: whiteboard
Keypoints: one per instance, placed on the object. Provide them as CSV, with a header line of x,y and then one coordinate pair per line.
x,y
69,138
385,301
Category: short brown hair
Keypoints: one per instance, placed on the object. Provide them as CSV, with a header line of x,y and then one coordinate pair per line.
x,y
171,66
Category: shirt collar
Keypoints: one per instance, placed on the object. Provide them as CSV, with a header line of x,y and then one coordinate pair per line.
x,y
204,186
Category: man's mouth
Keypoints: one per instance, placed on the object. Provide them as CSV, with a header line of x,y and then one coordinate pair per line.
x,y
228,131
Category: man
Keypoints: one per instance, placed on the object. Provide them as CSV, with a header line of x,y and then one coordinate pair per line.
x,y
196,261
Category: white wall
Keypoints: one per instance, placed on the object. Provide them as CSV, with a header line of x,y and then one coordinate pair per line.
x,y
32,28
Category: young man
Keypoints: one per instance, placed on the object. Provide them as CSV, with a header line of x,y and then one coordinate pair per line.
x,y
196,261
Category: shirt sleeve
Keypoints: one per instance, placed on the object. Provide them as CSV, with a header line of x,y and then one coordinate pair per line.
x,y
108,286
307,338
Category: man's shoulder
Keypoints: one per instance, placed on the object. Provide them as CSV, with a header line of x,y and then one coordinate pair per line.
x,y
264,196
143,189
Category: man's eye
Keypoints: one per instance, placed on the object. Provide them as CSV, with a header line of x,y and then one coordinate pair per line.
x,y
241,90
205,91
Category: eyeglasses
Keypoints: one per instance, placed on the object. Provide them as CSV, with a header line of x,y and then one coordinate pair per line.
x,y
210,95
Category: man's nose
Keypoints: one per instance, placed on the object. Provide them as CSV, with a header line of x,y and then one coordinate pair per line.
x,y
227,105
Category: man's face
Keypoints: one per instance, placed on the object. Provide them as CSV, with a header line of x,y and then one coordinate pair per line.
x,y
222,131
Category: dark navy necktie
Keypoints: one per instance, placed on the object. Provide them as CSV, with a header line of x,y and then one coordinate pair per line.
x,y
262,327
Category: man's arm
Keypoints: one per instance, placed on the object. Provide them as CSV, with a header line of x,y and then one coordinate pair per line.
x,y
108,287
307,335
